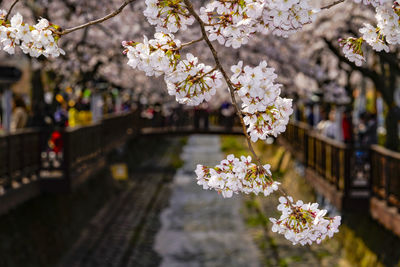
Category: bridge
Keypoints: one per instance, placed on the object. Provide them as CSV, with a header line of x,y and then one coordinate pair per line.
x,y
188,130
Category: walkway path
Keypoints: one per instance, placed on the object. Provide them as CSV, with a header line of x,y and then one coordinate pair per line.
x,y
200,228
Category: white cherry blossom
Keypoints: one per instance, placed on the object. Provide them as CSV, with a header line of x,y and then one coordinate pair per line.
x,y
168,16
235,175
34,40
265,112
303,223
157,56
192,82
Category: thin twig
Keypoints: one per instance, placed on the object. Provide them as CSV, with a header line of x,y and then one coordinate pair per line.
x,y
100,20
192,42
332,5
11,8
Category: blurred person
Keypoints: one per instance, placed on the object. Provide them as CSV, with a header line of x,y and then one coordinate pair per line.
x,y
327,126
347,127
331,128
227,112
368,129
310,115
201,113
61,115
19,117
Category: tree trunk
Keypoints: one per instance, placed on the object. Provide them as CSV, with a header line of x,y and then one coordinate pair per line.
x,y
392,129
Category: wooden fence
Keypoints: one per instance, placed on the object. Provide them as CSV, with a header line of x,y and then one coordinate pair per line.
x,y
350,177
33,161
84,150
328,165
19,158
385,172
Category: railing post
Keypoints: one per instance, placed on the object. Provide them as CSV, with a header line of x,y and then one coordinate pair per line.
x,y
305,150
347,172
66,157
387,179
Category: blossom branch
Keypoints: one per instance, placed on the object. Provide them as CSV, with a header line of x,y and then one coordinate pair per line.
x,y
226,78
231,87
11,8
97,21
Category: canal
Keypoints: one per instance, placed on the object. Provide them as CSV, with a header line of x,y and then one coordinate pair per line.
x,y
159,216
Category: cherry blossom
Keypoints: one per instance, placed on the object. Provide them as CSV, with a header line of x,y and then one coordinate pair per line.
x,y
192,82
235,175
168,16
156,56
231,22
388,22
373,38
387,31
35,40
352,49
284,18
303,223
266,113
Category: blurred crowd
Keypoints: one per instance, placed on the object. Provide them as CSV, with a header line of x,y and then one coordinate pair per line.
x,y
341,123
69,108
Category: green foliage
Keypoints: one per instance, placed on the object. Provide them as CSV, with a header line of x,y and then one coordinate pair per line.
x,y
234,145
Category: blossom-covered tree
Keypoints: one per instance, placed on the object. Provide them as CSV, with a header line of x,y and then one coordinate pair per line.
x,y
221,25
375,59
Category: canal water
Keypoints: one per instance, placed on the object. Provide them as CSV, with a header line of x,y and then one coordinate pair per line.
x,y
199,227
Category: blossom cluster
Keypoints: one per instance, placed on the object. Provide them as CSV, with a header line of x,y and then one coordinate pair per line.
x,y
284,18
352,49
189,81
303,223
266,113
35,40
231,23
373,38
168,16
389,22
155,56
386,32
192,82
235,175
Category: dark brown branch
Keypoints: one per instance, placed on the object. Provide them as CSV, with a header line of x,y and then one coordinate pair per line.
x,y
332,5
97,21
11,8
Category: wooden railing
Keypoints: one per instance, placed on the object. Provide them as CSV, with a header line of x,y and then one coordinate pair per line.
x,y
385,172
83,151
330,159
19,158
296,134
327,159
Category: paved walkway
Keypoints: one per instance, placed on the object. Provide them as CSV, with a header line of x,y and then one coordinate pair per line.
x,y
199,227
